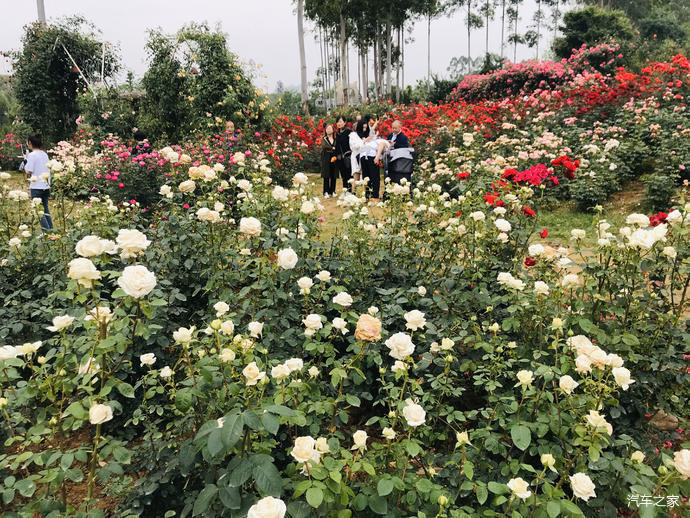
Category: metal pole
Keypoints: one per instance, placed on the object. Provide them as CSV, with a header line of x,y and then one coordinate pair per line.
x,y
41,11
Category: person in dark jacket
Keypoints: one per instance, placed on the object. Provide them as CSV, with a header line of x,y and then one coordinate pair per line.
x,y
328,172
398,139
142,145
343,152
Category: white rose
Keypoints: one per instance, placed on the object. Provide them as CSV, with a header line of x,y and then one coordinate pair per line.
x,y
570,280
60,323
681,461
596,420
613,360
637,219
307,207
305,284
541,288
478,216
165,190
669,252
304,449
183,335
622,377
388,433
147,359
109,246
414,414
567,384
313,371
244,185
583,364
253,374
137,281
535,250
525,377
226,355
340,324
637,456
343,299
519,487
462,438
89,246
577,233
313,322
399,366
502,225
674,217
287,258
227,327
83,271
99,414
250,226
256,329
583,487
268,507
324,276
221,308
101,314
294,364
400,345
359,438
208,215
8,351
548,461
280,372
280,194
131,242
187,186
415,320
300,179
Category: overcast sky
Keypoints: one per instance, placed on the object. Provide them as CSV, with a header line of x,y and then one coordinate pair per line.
x,y
261,30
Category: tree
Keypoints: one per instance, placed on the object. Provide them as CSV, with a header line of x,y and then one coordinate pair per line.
x,y
590,26
194,81
302,58
55,63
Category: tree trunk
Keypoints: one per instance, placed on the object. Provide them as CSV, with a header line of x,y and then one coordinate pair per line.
x,y
302,57
40,6
486,49
428,51
365,85
503,28
397,72
375,68
389,61
323,68
402,59
343,59
515,33
538,25
469,28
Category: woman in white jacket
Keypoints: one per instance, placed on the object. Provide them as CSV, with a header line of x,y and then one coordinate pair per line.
x,y
355,146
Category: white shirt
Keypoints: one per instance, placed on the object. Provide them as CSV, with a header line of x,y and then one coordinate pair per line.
x,y
36,163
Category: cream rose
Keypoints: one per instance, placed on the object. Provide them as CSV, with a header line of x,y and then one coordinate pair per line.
x,y
227,327
131,242
250,226
137,281
280,372
83,271
525,377
519,487
622,377
268,507
343,299
99,414
60,323
567,384
166,372
89,246
414,320
147,359
221,308
359,438
388,433
187,186
414,414
681,461
226,355
324,276
368,328
304,449
183,335
253,374
256,329
294,364
400,345
583,487
287,258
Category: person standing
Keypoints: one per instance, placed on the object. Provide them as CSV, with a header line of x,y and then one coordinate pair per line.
x,y
328,172
38,173
343,152
397,138
232,135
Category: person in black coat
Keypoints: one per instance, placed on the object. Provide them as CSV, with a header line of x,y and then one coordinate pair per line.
x,y
398,139
343,152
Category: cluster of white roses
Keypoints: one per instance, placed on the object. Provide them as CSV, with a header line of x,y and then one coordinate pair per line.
x,y
12,351
589,355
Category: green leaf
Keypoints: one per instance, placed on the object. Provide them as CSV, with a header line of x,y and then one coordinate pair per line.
x,y
497,488
267,478
553,509
215,442
230,496
299,510
232,430
482,494
271,423
184,400
250,419
568,508
352,400
282,410
384,487
204,499
424,485
468,469
378,504
241,473
26,487
314,496
125,389
629,339
521,436
77,410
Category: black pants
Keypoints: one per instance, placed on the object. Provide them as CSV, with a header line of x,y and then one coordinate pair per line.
x,y
44,196
371,171
344,167
329,179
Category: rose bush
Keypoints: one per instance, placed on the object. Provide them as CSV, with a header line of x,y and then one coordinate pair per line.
x,y
427,368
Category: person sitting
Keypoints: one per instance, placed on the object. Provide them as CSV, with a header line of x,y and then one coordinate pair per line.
x,y
397,138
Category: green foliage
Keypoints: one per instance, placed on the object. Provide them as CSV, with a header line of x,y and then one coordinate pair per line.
x,y
590,26
193,82
46,82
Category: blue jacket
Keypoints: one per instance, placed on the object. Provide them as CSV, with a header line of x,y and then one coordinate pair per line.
x,y
400,141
